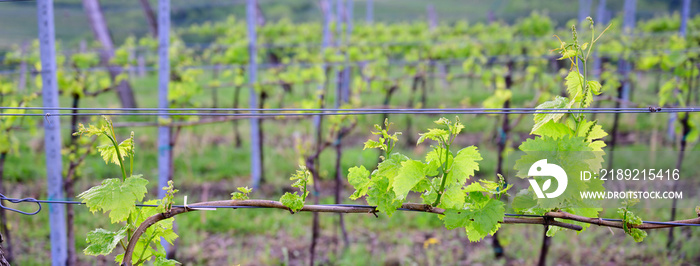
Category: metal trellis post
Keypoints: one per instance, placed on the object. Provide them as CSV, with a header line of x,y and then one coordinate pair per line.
x,y
584,8
255,152
164,151
325,41
348,32
339,40
163,83
52,128
685,13
370,12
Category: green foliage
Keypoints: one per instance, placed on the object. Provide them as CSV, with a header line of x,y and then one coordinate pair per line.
x,y
386,142
629,219
573,143
110,155
167,202
410,173
9,97
148,245
292,200
114,153
119,197
103,242
440,180
241,194
358,177
480,219
543,117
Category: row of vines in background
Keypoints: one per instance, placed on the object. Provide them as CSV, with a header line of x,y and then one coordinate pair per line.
x,y
441,178
382,58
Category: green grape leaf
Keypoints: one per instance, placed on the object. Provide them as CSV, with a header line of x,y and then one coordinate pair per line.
x,y
574,85
597,145
164,261
434,134
239,196
292,201
571,154
433,161
486,218
143,249
390,168
358,177
475,187
103,242
162,229
629,218
455,219
637,234
464,165
567,54
542,118
478,221
452,198
90,131
591,130
430,194
372,144
487,186
594,86
116,197
109,153
526,202
410,174
554,130
382,196
422,186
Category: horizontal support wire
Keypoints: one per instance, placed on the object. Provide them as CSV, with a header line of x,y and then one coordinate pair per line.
x,y
258,112
32,200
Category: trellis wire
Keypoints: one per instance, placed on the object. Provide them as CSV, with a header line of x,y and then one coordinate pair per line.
x,y
256,112
39,202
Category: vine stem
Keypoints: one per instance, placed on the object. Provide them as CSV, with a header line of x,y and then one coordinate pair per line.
x,y
546,220
307,208
444,174
119,156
